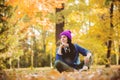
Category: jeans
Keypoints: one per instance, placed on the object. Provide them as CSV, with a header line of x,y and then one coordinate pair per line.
x,y
61,66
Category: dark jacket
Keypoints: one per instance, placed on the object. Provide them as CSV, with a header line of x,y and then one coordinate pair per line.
x,y
76,61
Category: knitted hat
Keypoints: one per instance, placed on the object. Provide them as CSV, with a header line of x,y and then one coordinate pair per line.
x,y
66,33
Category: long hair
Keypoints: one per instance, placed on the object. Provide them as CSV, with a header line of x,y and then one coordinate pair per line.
x,y
71,46
70,54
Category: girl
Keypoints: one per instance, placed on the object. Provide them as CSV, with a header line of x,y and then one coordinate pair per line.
x,y
67,54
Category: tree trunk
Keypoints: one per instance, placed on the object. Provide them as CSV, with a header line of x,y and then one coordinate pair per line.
x,y
59,23
119,55
109,46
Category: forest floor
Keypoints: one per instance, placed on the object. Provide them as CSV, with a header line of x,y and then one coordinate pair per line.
x,y
47,73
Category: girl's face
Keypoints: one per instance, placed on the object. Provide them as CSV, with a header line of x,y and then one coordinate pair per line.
x,y
64,39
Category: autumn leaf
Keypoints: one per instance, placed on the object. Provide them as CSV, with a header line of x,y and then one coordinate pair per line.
x,y
4,18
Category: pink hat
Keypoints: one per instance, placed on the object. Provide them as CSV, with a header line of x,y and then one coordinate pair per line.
x,y
66,33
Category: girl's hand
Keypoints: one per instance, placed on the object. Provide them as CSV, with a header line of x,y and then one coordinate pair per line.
x,y
87,58
60,49
65,44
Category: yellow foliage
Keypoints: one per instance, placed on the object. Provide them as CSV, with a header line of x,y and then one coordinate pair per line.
x,y
97,3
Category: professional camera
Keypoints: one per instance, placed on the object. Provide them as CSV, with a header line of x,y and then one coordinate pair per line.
x,y
67,50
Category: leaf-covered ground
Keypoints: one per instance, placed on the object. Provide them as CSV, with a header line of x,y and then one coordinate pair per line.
x,y
95,73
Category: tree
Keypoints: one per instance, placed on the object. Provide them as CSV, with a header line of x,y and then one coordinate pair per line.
x,y
109,44
59,21
5,13
112,33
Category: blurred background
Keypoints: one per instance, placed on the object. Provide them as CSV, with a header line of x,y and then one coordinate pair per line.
x,y
29,30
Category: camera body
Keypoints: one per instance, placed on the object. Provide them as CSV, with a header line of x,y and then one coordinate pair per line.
x,y
67,50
